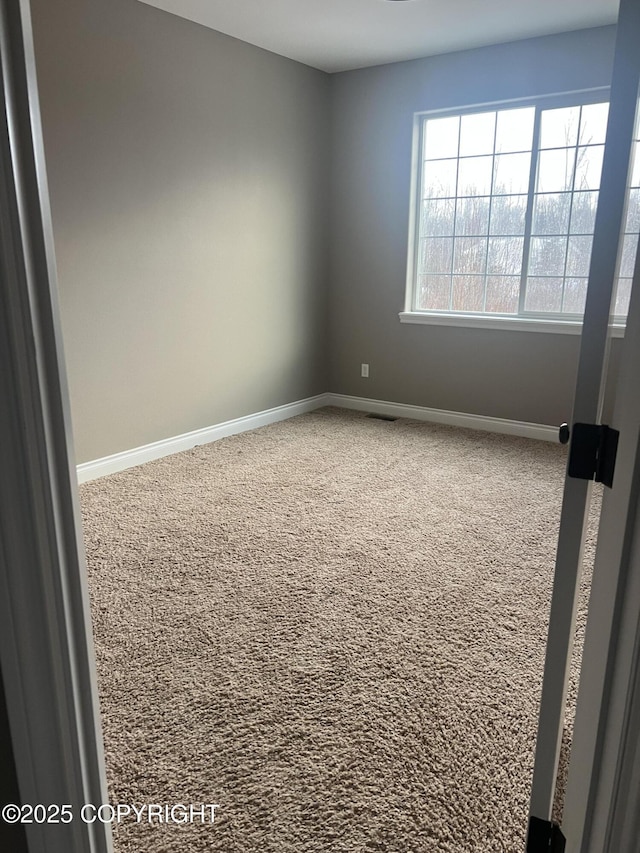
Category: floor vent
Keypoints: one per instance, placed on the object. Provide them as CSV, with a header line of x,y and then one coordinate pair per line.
x,y
381,417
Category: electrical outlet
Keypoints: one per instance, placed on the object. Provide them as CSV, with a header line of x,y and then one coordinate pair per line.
x,y
364,371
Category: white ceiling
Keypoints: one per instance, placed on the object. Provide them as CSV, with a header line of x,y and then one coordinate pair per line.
x,y
337,35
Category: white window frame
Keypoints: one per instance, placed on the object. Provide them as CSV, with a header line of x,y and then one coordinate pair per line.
x,y
529,321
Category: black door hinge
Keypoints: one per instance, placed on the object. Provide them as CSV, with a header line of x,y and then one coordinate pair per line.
x,y
544,836
593,453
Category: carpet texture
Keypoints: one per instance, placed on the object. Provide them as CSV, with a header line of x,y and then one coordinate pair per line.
x,y
334,627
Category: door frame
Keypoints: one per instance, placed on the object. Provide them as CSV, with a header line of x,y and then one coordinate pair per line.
x,y
615,824
46,647
588,404
603,788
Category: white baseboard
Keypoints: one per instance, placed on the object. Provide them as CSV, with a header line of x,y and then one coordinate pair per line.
x,y
442,416
139,455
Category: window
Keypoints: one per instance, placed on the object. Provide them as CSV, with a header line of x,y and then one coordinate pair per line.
x,y
505,204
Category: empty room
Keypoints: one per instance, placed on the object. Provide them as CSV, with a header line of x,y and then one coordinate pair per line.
x,y
328,310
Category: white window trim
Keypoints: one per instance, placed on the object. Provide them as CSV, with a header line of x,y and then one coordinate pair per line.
x,y
500,321
517,322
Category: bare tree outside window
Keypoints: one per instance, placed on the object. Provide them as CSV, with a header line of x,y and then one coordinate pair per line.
x,y
507,204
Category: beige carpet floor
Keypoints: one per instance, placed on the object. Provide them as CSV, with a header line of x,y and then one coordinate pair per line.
x,y
334,627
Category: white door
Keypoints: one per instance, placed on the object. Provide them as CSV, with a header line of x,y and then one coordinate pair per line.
x,y
587,410
604,767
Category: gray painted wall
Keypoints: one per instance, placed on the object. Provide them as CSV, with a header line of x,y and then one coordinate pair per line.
x,y
520,375
206,270
188,179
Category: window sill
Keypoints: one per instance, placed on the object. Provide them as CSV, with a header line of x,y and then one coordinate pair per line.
x,y
511,324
